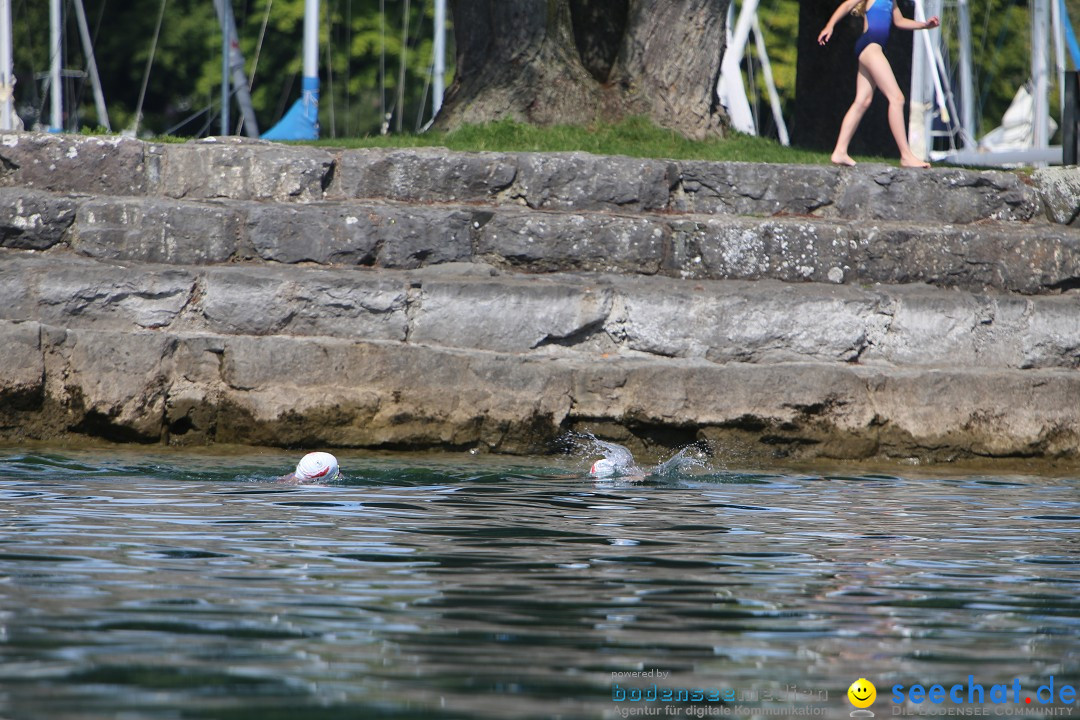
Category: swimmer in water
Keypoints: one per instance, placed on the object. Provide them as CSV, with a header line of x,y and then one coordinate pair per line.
x,y
618,463
314,467
608,469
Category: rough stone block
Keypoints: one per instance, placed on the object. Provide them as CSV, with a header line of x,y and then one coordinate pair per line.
x,y
927,327
790,249
508,315
422,175
958,412
74,163
1051,337
581,181
22,379
754,188
93,295
320,233
156,230
932,196
308,302
18,288
743,322
1059,190
74,292
392,236
417,236
31,220
113,383
1009,256
243,169
547,242
1013,257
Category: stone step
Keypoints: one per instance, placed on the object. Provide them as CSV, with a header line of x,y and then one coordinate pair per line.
x,y
183,388
470,307
1027,258
582,182
241,170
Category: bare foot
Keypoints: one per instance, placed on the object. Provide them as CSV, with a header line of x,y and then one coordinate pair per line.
x,y
913,162
842,159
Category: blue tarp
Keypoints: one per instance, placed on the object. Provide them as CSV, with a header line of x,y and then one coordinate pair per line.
x,y
302,120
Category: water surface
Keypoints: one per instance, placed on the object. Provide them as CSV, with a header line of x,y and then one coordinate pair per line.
x,y
191,586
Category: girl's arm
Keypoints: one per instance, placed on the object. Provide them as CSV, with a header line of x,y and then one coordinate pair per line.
x,y
845,7
904,23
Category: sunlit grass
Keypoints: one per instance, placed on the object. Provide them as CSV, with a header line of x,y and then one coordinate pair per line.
x,y
635,138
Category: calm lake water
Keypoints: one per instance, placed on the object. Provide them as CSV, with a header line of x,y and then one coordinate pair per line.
x,y
166,585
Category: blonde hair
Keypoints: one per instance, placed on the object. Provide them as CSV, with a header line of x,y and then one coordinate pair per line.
x,y
860,9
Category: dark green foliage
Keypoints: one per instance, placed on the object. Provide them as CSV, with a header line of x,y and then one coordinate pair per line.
x,y
186,74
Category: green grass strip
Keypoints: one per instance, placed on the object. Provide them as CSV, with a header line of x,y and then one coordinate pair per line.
x,y
636,137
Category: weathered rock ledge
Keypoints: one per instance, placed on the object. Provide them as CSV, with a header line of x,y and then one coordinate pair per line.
x,y
255,293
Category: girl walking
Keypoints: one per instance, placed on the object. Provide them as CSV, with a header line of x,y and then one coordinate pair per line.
x,y
879,16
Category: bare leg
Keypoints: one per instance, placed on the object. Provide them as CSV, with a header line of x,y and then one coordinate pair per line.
x,y
873,61
864,95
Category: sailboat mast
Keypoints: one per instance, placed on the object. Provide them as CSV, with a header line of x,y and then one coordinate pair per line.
x,y
226,43
967,86
1040,72
301,122
439,81
311,44
232,64
56,121
91,66
7,78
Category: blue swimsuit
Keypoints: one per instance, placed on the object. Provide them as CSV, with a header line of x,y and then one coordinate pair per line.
x,y
878,24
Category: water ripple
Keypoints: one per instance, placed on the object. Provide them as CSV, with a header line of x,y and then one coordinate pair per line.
x,y
168,585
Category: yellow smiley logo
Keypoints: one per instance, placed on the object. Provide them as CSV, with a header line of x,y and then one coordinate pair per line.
x,y
862,693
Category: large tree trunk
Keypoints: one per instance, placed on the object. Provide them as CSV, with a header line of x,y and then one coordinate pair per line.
x,y
579,61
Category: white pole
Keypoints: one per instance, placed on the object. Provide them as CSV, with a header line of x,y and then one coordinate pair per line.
x,y
7,78
921,110
57,120
1059,51
226,43
770,85
967,87
310,81
91,66
731,90
929,37
741,34
311,39
402,67
439,81
1040,30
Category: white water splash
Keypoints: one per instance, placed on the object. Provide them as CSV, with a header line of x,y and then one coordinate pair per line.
x,y
618,462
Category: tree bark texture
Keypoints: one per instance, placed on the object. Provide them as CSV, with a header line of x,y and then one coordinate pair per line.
x,y
580,61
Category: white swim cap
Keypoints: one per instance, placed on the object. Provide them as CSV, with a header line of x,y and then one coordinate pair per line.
x,y
603,468
317,466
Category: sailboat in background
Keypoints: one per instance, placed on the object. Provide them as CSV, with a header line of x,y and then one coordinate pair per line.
x,y
936,112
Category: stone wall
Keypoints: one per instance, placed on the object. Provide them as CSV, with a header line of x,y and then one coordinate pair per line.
x,y
247,292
